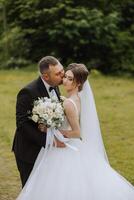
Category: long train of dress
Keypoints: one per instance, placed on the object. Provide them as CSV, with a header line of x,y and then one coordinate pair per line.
x,y
67,174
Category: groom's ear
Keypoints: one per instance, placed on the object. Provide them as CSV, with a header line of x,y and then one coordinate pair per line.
x,y
45,76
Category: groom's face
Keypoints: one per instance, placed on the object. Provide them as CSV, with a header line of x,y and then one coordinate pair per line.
x,y
55,75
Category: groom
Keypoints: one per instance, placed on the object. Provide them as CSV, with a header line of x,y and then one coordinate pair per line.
x,y
29,139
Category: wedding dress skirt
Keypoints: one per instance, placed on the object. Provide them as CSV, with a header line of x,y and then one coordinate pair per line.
x,y
67,174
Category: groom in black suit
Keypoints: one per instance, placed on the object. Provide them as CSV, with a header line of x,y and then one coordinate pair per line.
x,y
29,139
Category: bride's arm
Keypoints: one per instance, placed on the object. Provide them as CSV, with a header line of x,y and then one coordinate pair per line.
x,y
73,120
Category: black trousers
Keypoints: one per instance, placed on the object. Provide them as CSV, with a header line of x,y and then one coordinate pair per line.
x,y
24,169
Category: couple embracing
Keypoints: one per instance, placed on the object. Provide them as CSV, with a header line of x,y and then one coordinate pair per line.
x,y
74,170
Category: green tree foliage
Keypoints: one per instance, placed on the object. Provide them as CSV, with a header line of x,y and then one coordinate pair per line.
x,y
98,33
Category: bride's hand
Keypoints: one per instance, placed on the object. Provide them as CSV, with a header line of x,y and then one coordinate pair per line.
x,y
59,144
64,133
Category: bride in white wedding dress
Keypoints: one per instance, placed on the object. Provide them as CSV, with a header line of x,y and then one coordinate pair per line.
x,y
80,170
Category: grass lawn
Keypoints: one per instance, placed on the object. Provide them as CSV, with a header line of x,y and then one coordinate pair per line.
x,y
114,99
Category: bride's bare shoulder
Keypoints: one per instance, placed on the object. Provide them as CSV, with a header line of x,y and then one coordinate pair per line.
x,y
67,102
68,105
71,107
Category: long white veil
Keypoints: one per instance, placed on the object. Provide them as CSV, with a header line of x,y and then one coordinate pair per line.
x,y
89,123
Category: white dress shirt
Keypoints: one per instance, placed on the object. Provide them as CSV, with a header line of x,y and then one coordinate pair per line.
x,y
52,93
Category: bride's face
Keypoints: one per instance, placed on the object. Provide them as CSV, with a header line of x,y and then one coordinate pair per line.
x,y
69,81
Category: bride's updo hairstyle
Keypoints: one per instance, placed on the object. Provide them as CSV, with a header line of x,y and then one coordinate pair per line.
x,y
80,73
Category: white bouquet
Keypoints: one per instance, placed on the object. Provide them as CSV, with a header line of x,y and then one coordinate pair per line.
x,y
48,111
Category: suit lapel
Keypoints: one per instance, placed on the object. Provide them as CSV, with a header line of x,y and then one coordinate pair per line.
x,y
42,89
57,92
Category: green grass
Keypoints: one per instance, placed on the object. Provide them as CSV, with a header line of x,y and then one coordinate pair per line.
x,y
114,98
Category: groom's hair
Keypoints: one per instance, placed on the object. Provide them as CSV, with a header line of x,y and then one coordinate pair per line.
x,y
45,62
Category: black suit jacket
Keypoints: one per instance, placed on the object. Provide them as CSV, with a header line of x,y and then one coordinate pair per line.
x,y
28,138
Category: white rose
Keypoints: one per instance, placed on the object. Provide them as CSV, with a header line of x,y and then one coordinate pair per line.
x,y
53,125
45,116
54,98
53,115
50,112
59,107
49,122
40,109
62,119
54,105
34,111
35,118
57,110
59,125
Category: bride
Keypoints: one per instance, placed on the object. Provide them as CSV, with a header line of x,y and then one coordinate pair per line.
x,y
81,170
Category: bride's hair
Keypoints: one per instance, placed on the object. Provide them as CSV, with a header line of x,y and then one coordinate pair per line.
x,y
80,73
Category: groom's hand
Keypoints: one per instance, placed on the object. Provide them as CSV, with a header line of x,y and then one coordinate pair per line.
x,y
42,128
